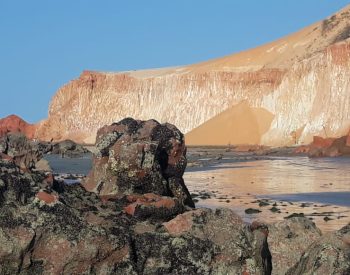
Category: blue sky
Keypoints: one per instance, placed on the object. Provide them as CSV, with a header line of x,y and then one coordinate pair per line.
x,y
44,44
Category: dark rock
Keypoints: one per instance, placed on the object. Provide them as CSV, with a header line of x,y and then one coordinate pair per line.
x,y
43,231
22,151
252,211
328,255
162,254
288,239
223,248
295,215
263,203
139,157
50,228
68,148
274,209
326,219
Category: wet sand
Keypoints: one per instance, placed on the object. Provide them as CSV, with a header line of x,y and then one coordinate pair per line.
x,y
271,187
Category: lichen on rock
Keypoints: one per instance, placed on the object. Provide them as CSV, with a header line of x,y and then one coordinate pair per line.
x,y
139,157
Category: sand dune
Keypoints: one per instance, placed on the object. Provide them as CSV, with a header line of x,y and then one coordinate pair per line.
x,y
239,124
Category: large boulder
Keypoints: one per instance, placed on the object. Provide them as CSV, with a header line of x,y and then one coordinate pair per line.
x,y
288,239
328,255
139,157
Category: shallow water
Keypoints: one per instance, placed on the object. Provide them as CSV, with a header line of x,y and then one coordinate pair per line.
x,y
318,188
81,165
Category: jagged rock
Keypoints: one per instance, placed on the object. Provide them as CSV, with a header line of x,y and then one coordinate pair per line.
x,y
68,148
139,157
24,153
288,239
47,227
228,257
328,255
54,229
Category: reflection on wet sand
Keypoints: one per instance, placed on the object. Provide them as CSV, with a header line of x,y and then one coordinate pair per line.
x,y
278,187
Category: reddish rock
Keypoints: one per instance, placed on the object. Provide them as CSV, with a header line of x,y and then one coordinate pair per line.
x,y
153,206
182,223
326,147
107,198
78,258
338,147
139,157
320,142
46,197
14,124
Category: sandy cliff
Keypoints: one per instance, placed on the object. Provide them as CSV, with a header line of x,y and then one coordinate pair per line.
x,y
301,81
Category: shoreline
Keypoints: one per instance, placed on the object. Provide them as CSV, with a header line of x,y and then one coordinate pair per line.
x,y
205,191
215,164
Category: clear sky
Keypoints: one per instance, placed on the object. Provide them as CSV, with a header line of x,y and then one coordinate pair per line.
x,y
44,44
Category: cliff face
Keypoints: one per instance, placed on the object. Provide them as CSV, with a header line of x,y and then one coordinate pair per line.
x,y
312,99
184,99
302,80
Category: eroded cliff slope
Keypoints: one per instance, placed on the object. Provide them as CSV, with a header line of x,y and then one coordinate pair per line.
x,y
302,80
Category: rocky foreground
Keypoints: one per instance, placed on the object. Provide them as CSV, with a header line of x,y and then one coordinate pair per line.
x,y
134,215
